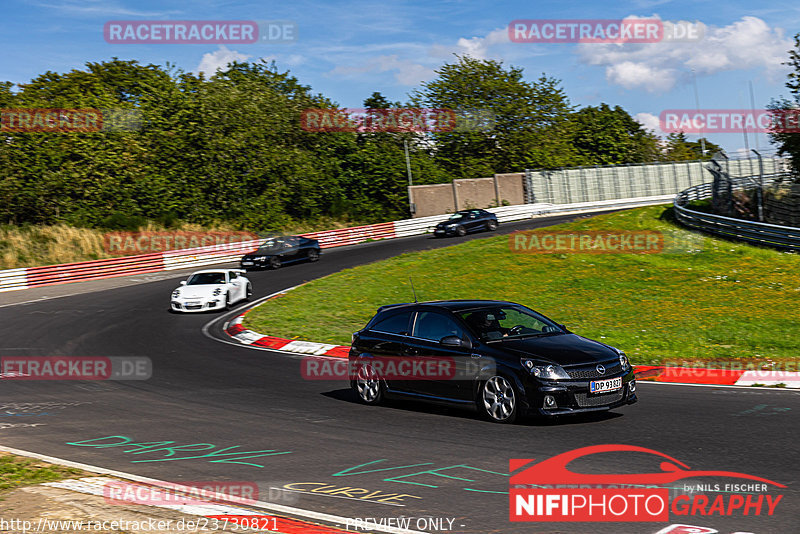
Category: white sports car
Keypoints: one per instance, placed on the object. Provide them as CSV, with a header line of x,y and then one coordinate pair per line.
x,y
211,289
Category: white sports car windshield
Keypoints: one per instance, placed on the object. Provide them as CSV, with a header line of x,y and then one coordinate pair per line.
x,y
206,278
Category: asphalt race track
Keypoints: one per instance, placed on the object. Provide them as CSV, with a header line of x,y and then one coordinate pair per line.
x,y
261,422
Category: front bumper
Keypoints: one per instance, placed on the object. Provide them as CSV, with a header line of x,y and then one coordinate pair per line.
x,y
252,265
574,397
442,232
197,305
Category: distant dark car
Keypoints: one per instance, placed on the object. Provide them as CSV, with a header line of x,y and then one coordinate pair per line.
x,y
505,360
465,222
278,251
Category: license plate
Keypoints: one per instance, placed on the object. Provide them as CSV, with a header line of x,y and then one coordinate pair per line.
x,y
600,386
247,263
438,231
193,304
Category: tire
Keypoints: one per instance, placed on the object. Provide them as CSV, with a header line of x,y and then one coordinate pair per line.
x,y
367,385
313,255
227,301
499,400
274,262
491,225
248,292
461,231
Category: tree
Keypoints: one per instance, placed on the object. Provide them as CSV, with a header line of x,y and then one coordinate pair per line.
x,y
530,129
678,148
788,140
610,136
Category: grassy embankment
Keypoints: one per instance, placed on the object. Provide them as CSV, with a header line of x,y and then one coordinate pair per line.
x,y
31,246
710,300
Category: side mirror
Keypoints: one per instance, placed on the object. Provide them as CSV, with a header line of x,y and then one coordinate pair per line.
x,y
454,341
183,282
563,327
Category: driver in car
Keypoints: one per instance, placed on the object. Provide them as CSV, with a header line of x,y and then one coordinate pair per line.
x,y
486,325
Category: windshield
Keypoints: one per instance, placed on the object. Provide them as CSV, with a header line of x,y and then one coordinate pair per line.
x,y
206,278
271,244
508,322
456,216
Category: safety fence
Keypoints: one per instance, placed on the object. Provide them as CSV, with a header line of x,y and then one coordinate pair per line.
x,y
772,235
592,184
17,279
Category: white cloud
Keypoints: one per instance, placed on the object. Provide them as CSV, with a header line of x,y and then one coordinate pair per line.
x,y
214,61
411,72
477,47
406,72
656,67
649,121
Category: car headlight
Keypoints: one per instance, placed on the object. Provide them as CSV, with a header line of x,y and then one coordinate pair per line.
x,y
217,292
176,293
452,225
548,371
261,258
623,361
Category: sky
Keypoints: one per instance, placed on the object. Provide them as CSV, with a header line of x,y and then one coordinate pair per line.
x,y
346,50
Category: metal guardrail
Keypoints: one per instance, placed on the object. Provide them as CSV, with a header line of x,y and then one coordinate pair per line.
x,y
771,235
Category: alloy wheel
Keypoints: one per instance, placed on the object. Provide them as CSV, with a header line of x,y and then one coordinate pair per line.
x,y
499,399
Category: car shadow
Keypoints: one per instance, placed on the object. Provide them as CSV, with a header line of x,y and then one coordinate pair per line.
x,y
348,395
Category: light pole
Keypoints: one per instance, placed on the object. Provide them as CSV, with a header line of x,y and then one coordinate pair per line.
x,y
697,104
411,207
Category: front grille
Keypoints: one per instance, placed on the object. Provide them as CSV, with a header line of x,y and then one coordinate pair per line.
x,y
585,400
585,372
195,307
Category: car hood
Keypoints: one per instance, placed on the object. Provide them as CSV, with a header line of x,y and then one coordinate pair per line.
x,y
565,349
199,291
258,255
445,223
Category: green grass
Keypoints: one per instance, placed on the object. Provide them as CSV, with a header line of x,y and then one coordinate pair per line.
x,y
16,471
706,299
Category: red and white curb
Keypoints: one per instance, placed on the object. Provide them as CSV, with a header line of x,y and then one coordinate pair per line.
x,y
719,377
249,337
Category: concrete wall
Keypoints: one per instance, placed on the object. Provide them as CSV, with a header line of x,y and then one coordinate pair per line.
x,y
434,199
438,199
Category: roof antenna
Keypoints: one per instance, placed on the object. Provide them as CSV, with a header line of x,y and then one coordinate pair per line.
x,y
412,289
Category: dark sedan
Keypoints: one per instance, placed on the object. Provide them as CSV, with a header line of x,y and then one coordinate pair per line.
x,y
500,358
278,251
465,222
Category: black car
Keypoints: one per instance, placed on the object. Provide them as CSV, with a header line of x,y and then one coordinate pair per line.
x,y
278,251
500,358
465,222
